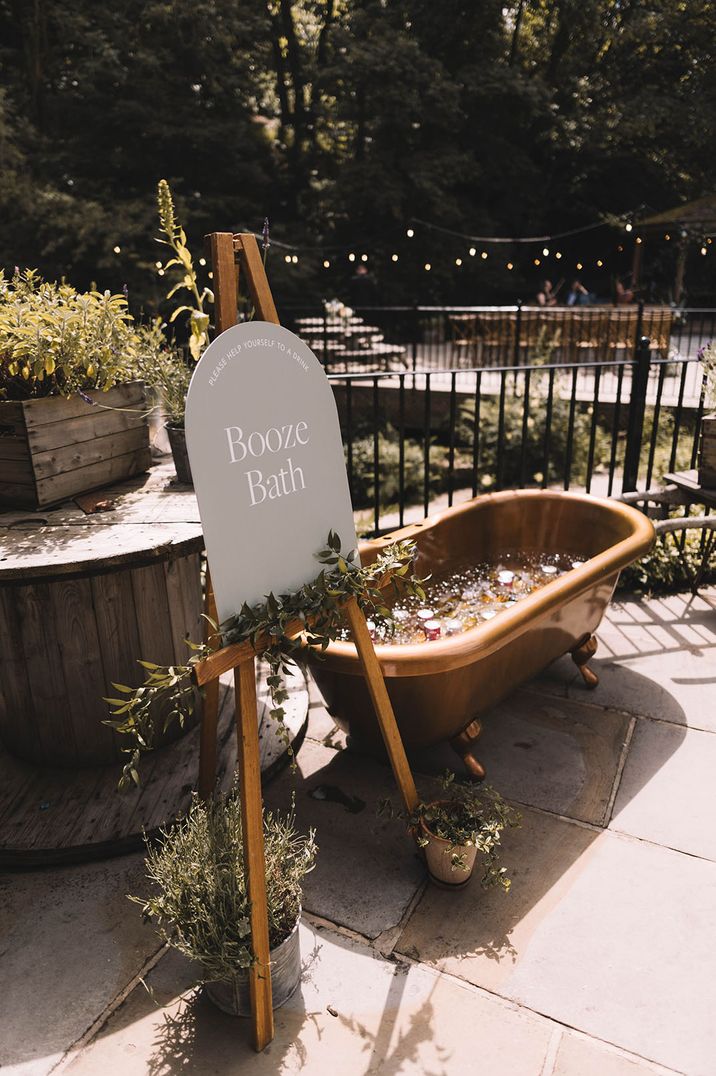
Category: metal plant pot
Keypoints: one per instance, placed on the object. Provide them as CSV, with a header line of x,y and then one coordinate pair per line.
x,y
177,439
232,996
438,855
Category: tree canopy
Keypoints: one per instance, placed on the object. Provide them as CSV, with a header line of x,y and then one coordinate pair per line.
x,y
343,120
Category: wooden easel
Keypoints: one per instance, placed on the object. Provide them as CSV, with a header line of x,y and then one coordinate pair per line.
x,y
228,252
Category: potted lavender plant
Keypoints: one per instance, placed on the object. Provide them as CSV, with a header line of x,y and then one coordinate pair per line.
x,y
200,904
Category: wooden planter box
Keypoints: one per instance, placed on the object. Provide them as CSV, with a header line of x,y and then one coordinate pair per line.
x,y
707,459
52,449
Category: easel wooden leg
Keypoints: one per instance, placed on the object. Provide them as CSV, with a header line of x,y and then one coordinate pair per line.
x,y
247,730
381,701
209,712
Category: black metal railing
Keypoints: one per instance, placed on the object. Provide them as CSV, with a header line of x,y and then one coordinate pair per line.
x,y
445,338
416,439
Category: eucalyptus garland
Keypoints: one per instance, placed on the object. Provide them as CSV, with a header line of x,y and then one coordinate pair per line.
x,y
168,693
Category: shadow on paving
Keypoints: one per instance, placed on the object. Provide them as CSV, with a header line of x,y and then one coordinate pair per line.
x,y
192,1036
366,878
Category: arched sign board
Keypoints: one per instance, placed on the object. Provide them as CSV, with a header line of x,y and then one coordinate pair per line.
x,y
267,461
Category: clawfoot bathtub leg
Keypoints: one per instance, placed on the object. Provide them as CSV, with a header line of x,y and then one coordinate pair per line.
x,y
462,743
582,654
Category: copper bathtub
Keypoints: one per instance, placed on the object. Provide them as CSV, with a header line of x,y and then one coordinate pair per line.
x,y
439,689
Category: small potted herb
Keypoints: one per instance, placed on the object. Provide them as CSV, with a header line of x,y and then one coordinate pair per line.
x,y
200,905
454,829
167,374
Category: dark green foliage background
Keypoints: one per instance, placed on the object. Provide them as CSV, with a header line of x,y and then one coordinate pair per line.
x,y
340,120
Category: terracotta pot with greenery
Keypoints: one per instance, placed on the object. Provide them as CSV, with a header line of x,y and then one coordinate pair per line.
x,y
200,905
72,410
455,830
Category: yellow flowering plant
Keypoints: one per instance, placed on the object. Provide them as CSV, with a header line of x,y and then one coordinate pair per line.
x,y
182,261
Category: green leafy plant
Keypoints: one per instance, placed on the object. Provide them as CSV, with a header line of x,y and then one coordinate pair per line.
x,y
670,566
467,815
363,469
167,694
165,372
510,436
56,341
200,905
175,239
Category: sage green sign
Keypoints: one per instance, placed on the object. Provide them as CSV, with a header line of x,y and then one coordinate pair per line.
x,y
267,461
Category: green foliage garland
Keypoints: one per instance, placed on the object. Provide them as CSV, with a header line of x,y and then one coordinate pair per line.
x,y
167,694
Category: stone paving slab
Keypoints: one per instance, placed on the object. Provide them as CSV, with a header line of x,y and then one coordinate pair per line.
x,y
557,754
71,941
579,1056
368,869
354,1013
609,935
656,658
666,794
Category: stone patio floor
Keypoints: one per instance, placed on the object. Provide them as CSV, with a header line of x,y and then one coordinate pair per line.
x,y
601,960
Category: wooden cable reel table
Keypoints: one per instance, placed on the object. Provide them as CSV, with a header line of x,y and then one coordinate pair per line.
x,y
83,595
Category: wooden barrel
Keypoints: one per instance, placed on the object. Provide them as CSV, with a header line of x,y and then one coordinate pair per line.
x,y
78,606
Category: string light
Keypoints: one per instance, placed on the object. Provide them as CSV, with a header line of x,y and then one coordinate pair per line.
x,y
158,265
117,250
628,227
210,276
202,261
293,259
708,242
160,273
704,250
